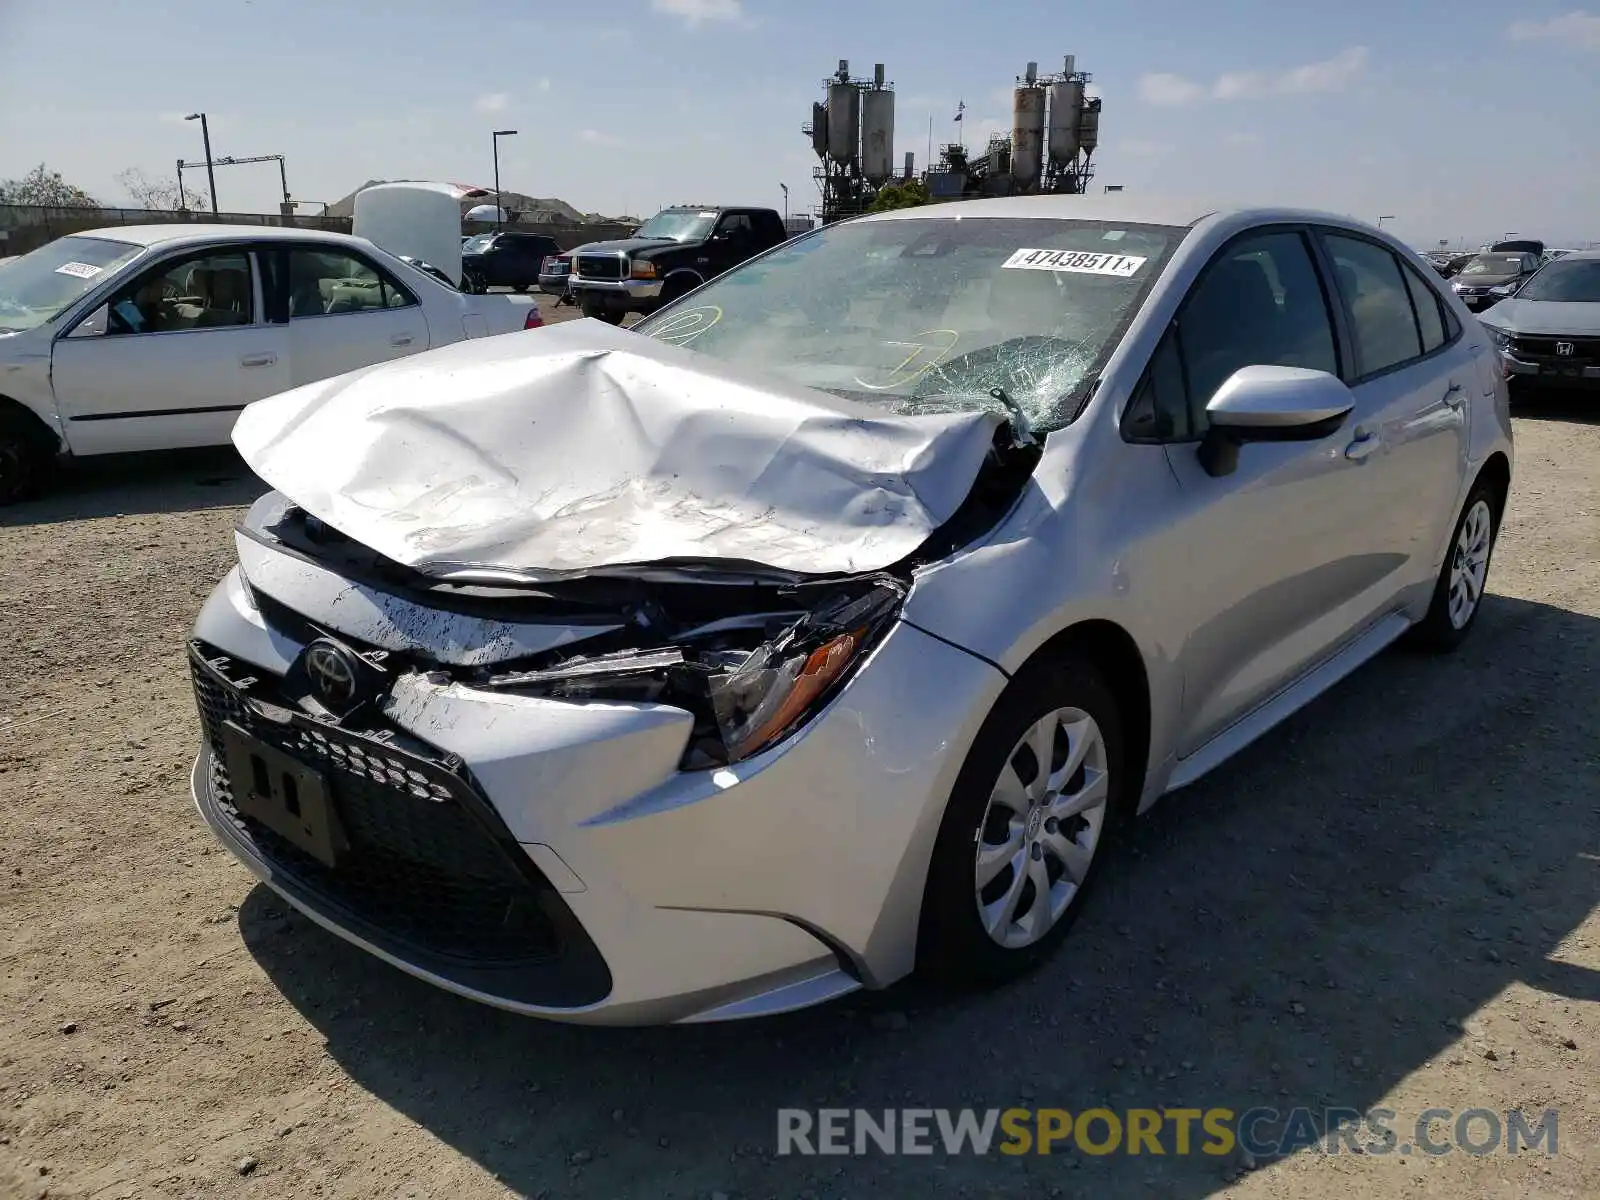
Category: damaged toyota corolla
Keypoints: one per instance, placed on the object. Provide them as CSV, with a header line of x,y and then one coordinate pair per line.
x,y
828,624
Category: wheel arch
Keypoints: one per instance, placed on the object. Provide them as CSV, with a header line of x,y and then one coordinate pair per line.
x,y
30,419
1114,653
684,275
1496,472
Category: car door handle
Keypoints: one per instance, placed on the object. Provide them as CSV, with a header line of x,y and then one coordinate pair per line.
x,y
1364,445
1456,396
401,339
258,360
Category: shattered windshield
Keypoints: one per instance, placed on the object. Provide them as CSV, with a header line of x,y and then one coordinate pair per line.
x,y
37,286
932,315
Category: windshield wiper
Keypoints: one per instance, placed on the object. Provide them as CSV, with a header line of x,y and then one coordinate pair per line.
x,y
1021,427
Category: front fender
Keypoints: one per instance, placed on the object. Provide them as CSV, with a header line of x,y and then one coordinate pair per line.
x,y
25,379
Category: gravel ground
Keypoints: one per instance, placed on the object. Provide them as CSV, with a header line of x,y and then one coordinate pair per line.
x,y
1391,902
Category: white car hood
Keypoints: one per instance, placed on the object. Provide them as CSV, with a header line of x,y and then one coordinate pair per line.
x,y
1547,317
538,455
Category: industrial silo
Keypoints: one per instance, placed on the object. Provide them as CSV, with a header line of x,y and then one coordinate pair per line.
x,y
1066,104
844,117
1089,127
877,130
819,128
1027,130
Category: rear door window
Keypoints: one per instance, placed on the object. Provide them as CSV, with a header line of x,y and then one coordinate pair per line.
x,y
1378,301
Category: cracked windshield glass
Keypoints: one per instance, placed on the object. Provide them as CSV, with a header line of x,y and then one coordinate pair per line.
x,y
930,315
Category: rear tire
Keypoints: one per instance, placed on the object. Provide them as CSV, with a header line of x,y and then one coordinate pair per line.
x,y
1019,847
27,455
1458,592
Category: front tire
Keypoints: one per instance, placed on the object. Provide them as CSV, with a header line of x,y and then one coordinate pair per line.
x,y
26,457
1042,791
1458,592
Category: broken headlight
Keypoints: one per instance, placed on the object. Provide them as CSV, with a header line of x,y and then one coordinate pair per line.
x,y
744,700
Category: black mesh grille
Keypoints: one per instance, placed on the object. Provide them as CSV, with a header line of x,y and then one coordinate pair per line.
x,y
420,865
599,266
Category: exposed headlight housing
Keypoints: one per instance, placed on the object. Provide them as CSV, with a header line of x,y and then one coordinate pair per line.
x,y
744,700
642,270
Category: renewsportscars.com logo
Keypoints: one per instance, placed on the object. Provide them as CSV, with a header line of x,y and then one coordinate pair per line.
x,y
1260,1132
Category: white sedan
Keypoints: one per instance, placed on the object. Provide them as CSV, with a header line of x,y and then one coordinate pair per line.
x,y
155,337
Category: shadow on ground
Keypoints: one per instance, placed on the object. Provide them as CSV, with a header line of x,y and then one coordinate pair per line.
x,y
1556,404
1308,925
164,481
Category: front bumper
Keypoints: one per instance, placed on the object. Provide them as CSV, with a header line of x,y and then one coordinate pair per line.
x,y
659,895
613,291
554,285
1552,373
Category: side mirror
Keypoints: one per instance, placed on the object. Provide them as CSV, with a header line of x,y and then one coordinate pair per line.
x,y
1271,404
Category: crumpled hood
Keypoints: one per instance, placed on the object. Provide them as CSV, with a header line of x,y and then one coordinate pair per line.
x,y
539,455
1545,317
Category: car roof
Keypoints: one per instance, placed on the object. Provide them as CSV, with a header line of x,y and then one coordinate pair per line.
x,y
1580,256
190,231
1134,209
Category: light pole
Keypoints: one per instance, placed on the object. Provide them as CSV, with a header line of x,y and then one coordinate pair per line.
x,y
1381,220
785,188
499,212
205,136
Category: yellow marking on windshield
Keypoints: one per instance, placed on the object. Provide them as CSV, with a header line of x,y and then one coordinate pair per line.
x,y
899,375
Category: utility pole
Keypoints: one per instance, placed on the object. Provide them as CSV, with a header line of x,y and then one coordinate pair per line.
x,y
499,210
205,135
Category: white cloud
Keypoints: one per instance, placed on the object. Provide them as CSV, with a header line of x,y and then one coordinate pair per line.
x,y
1169,90
693,12
1578,28
597,138
492,102
1138,148
1326,76
1241,138
544,84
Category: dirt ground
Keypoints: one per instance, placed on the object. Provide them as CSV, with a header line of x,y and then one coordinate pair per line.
x,y
1391,902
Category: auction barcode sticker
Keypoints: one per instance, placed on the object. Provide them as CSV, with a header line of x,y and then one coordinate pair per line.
x,y
78,269
1078,262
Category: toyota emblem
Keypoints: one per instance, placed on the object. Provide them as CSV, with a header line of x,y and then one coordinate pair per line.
x,y
332,674
1564,349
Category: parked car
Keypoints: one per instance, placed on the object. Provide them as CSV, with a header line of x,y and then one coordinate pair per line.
x,y
555,275
833,623
1518,246
673,252
1548,332
1489,278
147,337
506,259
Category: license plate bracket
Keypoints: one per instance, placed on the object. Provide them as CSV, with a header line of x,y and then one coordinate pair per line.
x,y
284,794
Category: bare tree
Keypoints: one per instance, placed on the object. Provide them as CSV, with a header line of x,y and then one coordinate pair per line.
x,y
44,187
162,194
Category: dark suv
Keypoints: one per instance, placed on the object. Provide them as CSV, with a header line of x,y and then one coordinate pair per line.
x,y
505,259
673,252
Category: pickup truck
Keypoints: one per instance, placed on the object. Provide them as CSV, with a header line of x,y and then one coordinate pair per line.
x,y
673,252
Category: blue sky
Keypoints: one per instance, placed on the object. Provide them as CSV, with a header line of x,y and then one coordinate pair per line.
x,y
1459,119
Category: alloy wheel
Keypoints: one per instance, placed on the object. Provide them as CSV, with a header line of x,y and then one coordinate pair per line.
x,y
1469,563
1041,828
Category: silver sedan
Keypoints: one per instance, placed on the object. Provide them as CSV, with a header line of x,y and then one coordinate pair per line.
x,y
830,624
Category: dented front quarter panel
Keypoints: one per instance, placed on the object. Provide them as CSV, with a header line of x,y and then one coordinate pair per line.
x,y
1085,542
